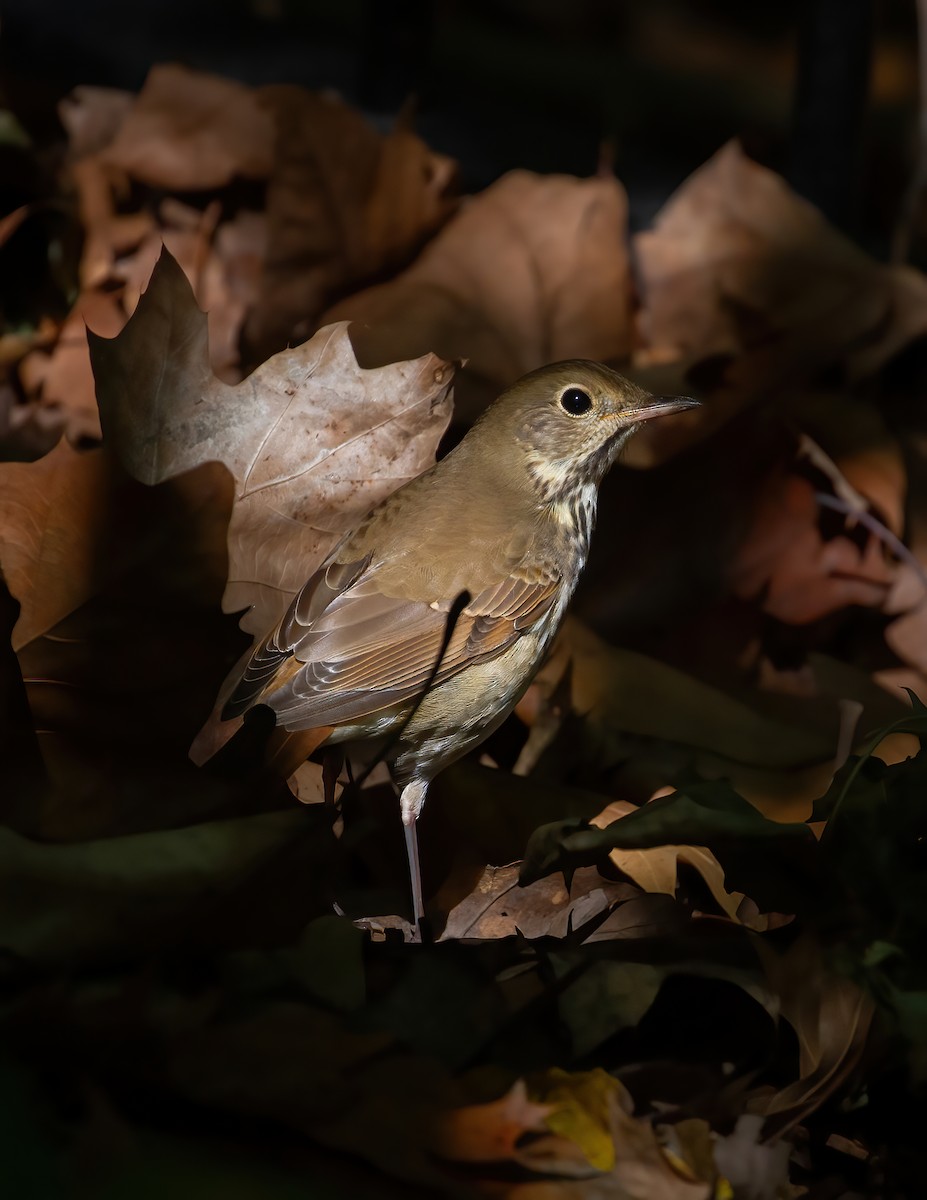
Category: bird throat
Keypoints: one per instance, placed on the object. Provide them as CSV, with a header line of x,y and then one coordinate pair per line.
x,y
570,495
570,498
574,510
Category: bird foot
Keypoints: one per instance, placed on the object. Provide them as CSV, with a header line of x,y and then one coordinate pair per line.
x,y
391,928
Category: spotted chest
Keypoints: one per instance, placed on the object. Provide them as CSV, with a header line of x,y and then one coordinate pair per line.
x,y
575,512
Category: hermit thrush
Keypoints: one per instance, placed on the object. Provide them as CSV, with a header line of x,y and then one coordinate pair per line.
x,y
423,627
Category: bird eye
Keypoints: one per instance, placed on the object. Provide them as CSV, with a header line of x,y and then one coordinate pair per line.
x,y
575,401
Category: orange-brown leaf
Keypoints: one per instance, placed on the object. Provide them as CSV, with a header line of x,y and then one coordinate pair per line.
x,y
533,270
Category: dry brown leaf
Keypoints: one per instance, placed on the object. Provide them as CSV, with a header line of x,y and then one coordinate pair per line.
x,y
783,558
98,709
907,635
490,1132
14,346
412,195
91,117
119,641
498,907
343,204
312,441
61,379
190,131
799,576
107,232
532,270
656,869
240,246
46,508
222,266
12,221
737,261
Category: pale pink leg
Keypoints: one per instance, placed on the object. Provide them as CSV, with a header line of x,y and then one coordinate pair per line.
x,y
412,800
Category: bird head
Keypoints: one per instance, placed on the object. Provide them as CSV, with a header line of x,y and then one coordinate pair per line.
x,y
571,419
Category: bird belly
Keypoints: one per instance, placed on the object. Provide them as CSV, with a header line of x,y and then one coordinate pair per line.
x,y
465,710
452,719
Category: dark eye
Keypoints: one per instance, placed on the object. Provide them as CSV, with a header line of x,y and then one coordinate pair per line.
x,y
575,401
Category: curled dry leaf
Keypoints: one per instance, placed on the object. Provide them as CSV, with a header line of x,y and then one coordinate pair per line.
x,y
656,869
532,270
831,1016
737,261
312,440
344,204
191,131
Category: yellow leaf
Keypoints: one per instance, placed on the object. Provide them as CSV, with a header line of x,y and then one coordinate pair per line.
x,y
581,1105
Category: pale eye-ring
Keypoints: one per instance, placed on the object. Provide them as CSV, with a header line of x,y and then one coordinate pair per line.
x,y
575,401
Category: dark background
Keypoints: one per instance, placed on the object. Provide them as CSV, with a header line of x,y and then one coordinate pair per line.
x,y
823,90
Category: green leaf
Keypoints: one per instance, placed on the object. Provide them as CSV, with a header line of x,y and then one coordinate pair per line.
x,y
910,1008
74,902
11,132
706,813
919,708
547,851
443,1006
862,775
607,997
329,962
879,952
914,722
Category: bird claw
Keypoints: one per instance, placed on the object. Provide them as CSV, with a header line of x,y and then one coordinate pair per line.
x,y
392,928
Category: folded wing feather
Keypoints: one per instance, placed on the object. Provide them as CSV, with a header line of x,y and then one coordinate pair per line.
x,y
345,650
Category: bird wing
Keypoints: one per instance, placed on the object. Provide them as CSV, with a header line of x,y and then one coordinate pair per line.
x,y
346,649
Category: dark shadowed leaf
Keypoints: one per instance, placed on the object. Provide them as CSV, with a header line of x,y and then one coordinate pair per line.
x,y
312,441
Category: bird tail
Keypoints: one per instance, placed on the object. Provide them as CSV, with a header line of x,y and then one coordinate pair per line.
x,y
285,752
276,750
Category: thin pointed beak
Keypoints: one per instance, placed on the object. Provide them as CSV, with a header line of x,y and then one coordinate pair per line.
x,y
662,406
